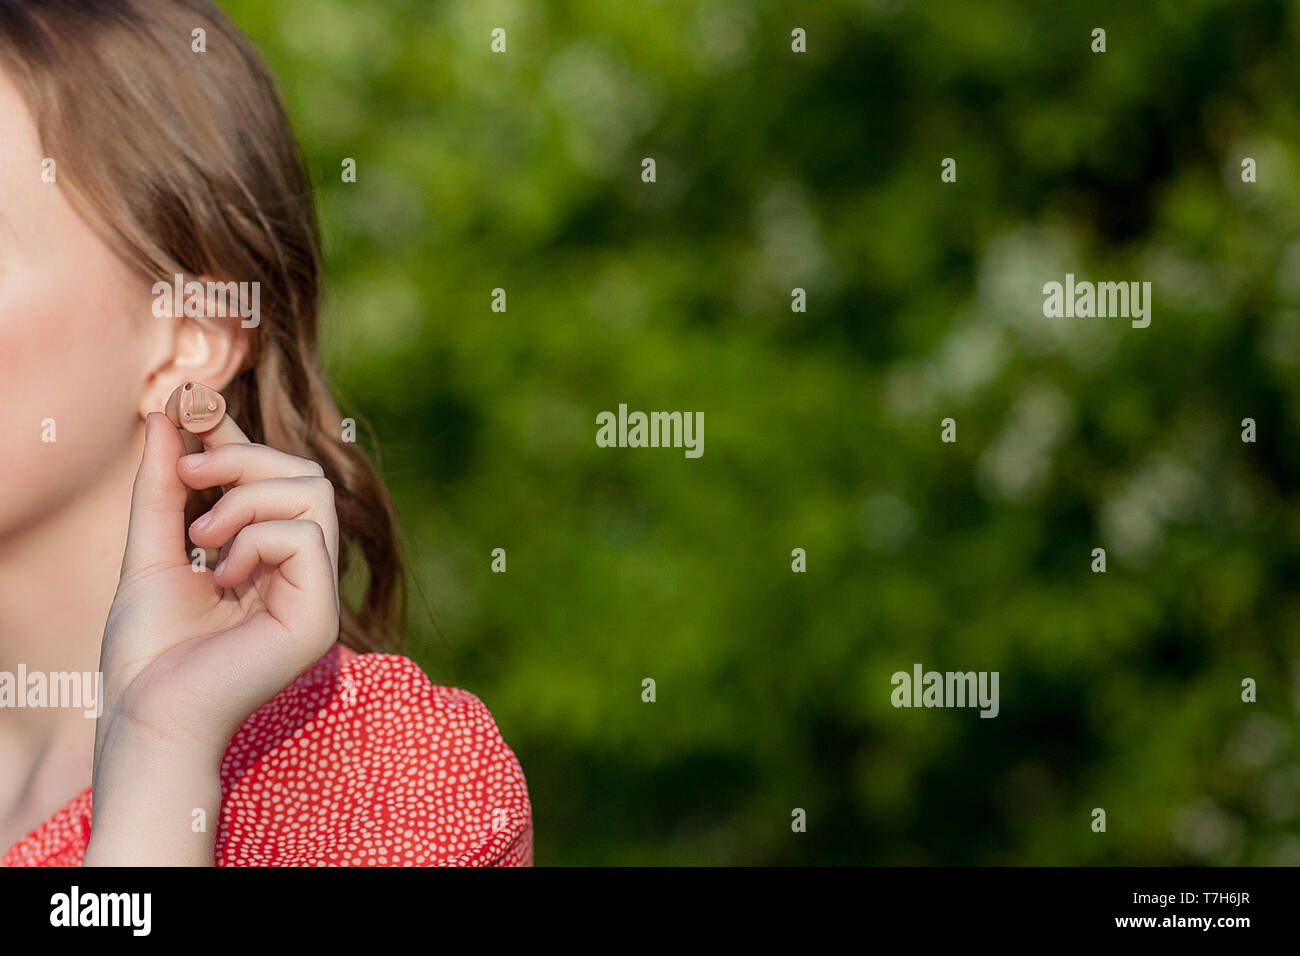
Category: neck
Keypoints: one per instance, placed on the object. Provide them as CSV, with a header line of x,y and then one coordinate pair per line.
x,y
58,577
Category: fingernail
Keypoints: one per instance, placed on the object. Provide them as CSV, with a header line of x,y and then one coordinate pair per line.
x,y
202,521
196,459
217,569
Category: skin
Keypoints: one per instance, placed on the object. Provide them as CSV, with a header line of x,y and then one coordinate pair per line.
x,y
94,575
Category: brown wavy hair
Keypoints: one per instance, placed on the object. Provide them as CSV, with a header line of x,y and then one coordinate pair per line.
x,y
185,163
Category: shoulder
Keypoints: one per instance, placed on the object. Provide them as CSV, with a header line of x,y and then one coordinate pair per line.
x,y
365,761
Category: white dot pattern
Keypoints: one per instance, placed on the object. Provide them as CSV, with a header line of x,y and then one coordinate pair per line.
x,y
362,761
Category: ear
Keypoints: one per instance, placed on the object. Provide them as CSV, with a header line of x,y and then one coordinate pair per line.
x,y
206,337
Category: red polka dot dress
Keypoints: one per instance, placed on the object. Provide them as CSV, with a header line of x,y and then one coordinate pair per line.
x,y
362,761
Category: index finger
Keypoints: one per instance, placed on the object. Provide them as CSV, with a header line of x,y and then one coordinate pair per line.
x,y
201,411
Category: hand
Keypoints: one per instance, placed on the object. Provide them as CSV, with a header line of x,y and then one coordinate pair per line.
x,y
188,654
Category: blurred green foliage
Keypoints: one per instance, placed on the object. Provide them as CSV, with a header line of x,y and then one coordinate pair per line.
x,y
821,171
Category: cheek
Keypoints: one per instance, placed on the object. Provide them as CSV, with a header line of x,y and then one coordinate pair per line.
x,y
69,369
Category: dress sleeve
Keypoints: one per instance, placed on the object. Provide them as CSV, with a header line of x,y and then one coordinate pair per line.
x,y
385,768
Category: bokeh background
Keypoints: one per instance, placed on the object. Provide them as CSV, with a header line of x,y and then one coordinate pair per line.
x,y
821,171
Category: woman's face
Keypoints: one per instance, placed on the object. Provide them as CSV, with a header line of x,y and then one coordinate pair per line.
x,y
74,348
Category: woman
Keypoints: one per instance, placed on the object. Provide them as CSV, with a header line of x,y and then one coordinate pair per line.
x,y
247,716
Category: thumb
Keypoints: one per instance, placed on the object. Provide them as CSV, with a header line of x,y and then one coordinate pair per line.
x,y
156,532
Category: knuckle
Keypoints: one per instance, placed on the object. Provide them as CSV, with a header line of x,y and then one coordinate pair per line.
x,y
241,542
309,530
316,492
324,489
232,499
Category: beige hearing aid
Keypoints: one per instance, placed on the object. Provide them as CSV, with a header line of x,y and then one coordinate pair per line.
x,y
200,413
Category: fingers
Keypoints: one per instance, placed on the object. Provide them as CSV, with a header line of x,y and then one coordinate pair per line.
x,y
277,509
260,483
156,529
297,551
270,499
155,533
226,432
241,464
